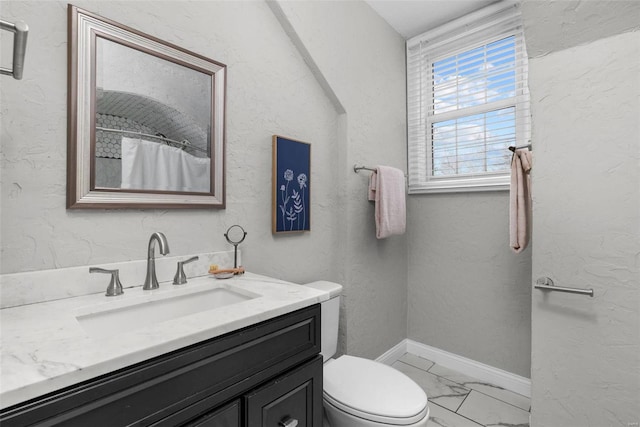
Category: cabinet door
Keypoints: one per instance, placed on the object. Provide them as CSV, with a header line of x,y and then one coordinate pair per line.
x,y
292,400
229,416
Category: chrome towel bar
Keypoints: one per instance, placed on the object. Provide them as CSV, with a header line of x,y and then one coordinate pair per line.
x,y
357,169
20,31
546,284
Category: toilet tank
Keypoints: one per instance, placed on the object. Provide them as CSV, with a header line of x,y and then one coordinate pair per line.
x,y
330,316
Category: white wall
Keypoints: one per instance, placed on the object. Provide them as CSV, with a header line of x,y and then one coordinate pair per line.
x,y
552,26
586,177
270,91
585,91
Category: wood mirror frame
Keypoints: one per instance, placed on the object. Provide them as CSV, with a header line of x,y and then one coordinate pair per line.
x,y
85,28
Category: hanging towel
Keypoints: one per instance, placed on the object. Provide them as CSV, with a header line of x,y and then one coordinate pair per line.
x,y
520,200
373,183
387,188
148,165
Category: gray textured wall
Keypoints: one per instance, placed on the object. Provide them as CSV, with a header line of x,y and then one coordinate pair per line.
x,y
361,60
269,89
469,294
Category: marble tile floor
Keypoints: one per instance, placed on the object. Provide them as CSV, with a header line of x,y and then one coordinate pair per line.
x,y
457,400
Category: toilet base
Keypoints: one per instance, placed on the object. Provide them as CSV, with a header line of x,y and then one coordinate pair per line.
x,y
334,417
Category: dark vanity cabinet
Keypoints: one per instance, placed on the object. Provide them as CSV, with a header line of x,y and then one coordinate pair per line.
x,y
265,375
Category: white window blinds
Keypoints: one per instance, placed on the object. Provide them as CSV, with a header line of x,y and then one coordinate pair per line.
x,y
468,101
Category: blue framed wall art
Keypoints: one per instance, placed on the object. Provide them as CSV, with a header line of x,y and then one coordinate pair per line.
x,y
291,210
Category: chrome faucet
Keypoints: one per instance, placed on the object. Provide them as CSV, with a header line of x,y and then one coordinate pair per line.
x,y
151,281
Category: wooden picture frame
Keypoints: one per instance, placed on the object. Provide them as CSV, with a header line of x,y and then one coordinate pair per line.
x,y
291,189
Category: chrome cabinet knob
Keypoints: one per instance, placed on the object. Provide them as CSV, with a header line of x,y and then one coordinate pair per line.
x,y
288,422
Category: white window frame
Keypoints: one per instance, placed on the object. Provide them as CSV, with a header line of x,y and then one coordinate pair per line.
x,y
485,26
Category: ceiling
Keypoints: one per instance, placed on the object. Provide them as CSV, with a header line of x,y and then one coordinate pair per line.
x,y
412,17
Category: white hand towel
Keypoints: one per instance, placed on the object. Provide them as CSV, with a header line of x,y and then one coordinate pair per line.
x,y
520,200
387,188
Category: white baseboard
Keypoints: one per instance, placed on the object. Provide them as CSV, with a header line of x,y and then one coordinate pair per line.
x,y
472,368
394,353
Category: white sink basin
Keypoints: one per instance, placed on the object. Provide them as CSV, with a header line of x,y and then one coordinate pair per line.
x,y
119,319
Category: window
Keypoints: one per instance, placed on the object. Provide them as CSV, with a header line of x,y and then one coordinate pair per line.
x,y
467,102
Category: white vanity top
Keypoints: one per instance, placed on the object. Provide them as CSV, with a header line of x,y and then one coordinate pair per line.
x,y
44,347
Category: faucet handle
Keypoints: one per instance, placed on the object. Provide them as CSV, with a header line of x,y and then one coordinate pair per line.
x,y
115,287
180,278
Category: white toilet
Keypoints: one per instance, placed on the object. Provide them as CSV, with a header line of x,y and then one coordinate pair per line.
x,y
361,392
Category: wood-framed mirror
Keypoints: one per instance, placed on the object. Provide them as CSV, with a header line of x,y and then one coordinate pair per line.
x,y
146,125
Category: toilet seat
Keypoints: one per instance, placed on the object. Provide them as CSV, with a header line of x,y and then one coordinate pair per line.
x,y
373,391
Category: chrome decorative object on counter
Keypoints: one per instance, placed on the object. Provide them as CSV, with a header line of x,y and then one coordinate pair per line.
x,y
235,235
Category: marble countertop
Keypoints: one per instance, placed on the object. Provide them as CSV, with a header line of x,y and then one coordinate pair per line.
x,y
44,347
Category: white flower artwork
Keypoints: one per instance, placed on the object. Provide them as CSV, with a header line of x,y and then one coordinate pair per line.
x,y
291,185
294,214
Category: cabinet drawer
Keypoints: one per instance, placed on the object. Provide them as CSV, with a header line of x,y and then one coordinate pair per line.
x,y
180,386
229,416
294,399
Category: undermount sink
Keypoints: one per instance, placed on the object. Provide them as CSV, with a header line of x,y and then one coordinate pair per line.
x,y
115,320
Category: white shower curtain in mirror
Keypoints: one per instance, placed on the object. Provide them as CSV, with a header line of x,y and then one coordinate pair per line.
x,y
148,165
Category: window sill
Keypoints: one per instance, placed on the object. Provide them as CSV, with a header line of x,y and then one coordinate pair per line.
x,y
495,183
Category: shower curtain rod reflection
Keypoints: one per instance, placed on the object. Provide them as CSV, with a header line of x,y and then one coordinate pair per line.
x,y
183,144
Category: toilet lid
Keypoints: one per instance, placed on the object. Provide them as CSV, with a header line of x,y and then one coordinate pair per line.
x,y
373,391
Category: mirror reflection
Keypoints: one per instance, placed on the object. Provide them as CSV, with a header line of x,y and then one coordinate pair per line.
x,y
152,122
146,120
